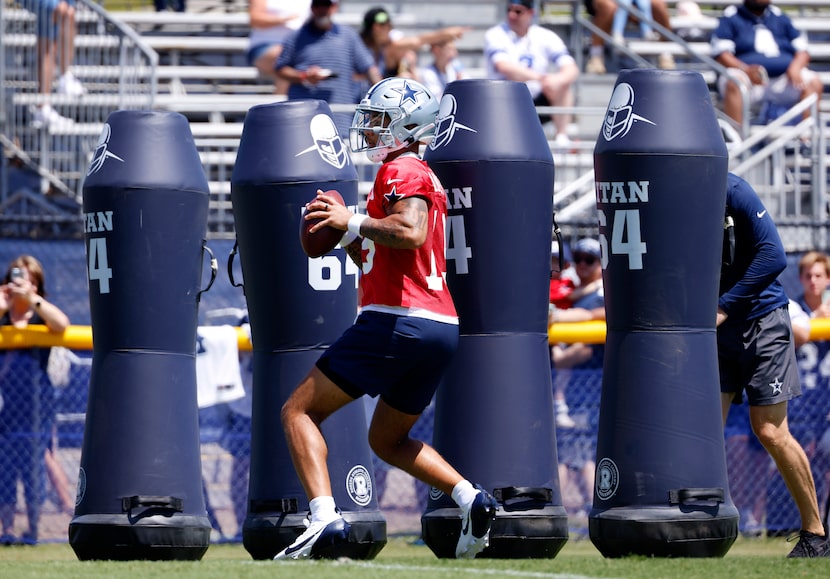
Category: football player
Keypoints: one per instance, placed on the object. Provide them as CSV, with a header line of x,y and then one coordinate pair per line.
x,y
407,329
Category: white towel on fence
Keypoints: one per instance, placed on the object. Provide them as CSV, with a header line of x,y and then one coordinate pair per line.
x,y
218,378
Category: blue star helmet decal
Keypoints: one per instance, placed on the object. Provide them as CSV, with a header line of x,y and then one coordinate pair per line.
x,y
408,93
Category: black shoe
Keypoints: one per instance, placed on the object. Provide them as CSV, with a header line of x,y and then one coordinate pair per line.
x,y
810,545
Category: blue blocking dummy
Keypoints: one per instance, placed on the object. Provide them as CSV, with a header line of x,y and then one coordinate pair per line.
x,y
145,204
297,307
494,409
661,164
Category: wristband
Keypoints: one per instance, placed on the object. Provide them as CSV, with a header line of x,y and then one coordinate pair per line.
x,y
347,238
355,221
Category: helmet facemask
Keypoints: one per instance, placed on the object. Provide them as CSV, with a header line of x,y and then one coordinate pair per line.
x,y
394,114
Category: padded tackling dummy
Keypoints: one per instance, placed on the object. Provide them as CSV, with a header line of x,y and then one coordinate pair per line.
x,y
297,307
494,409
661,164
145,204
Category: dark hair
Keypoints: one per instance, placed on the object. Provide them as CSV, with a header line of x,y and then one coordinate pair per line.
x,y
373,15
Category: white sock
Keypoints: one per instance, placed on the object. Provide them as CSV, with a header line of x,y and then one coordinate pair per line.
x,y
464,493
596,50
323,510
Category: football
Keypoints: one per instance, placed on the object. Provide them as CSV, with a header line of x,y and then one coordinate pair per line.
x,y
324,240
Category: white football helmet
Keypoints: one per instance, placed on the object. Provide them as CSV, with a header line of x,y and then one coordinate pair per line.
x,y
395,113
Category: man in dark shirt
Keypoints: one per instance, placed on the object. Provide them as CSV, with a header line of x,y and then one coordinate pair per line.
x,y
756,353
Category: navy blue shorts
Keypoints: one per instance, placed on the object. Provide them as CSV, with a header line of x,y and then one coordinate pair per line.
x,y
399,358
758,356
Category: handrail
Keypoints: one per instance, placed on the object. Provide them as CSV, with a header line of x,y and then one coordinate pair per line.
x,y
583,22
80,337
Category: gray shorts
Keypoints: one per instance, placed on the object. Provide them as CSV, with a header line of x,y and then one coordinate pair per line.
x,y
758,356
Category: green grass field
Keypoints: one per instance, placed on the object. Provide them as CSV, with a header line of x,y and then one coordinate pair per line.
x,y
400,558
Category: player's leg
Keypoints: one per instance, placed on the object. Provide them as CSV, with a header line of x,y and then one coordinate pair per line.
x,y
770,426
314,400
389,438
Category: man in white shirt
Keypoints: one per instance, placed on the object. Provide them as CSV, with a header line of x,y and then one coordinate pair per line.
x,y
522,51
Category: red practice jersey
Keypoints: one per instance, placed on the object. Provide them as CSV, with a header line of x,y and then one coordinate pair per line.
x,y
408,281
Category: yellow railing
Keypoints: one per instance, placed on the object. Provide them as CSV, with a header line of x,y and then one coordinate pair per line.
x,y
80,337
594,332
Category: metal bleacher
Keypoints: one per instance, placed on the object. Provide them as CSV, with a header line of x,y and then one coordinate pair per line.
x,y
194,63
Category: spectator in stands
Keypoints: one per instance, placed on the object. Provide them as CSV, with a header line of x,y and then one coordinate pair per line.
x,y
27,416
395,53
767,55
271,22
519,50
756,352
814,275
576,373
56,30
321,59
603,13
444,68
562,282
174,5
621,18
587,301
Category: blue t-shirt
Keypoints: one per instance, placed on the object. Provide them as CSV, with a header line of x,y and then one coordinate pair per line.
x,y
770,40
339,49
749,286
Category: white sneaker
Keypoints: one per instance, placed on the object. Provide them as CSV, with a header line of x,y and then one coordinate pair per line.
x,y
562,143
318,541
68,84
595,65
47,117
562,418
476,521
666,61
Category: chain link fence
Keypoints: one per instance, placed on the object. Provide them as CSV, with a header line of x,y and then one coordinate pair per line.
x,y
42,423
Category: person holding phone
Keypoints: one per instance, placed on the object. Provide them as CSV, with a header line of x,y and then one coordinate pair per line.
x,y
322,59
27,414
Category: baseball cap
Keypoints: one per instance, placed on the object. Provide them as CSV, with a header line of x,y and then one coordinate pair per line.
x,y
525,3
323,2
554,251
376,15
587,246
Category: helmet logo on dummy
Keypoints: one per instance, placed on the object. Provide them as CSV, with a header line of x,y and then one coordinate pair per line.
x,y
607,479
102,153
445,123
620,117
359,485
327,141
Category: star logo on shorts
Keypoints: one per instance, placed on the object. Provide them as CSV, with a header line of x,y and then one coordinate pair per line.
x,y
776,386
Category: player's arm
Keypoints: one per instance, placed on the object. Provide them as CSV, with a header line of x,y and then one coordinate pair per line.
x,y
404,227
355,251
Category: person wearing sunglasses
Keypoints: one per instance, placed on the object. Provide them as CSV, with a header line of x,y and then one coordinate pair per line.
x,y
519,50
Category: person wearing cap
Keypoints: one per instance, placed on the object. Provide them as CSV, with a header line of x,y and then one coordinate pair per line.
x,y
321,60
577,381
271,22
519,50
396,53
